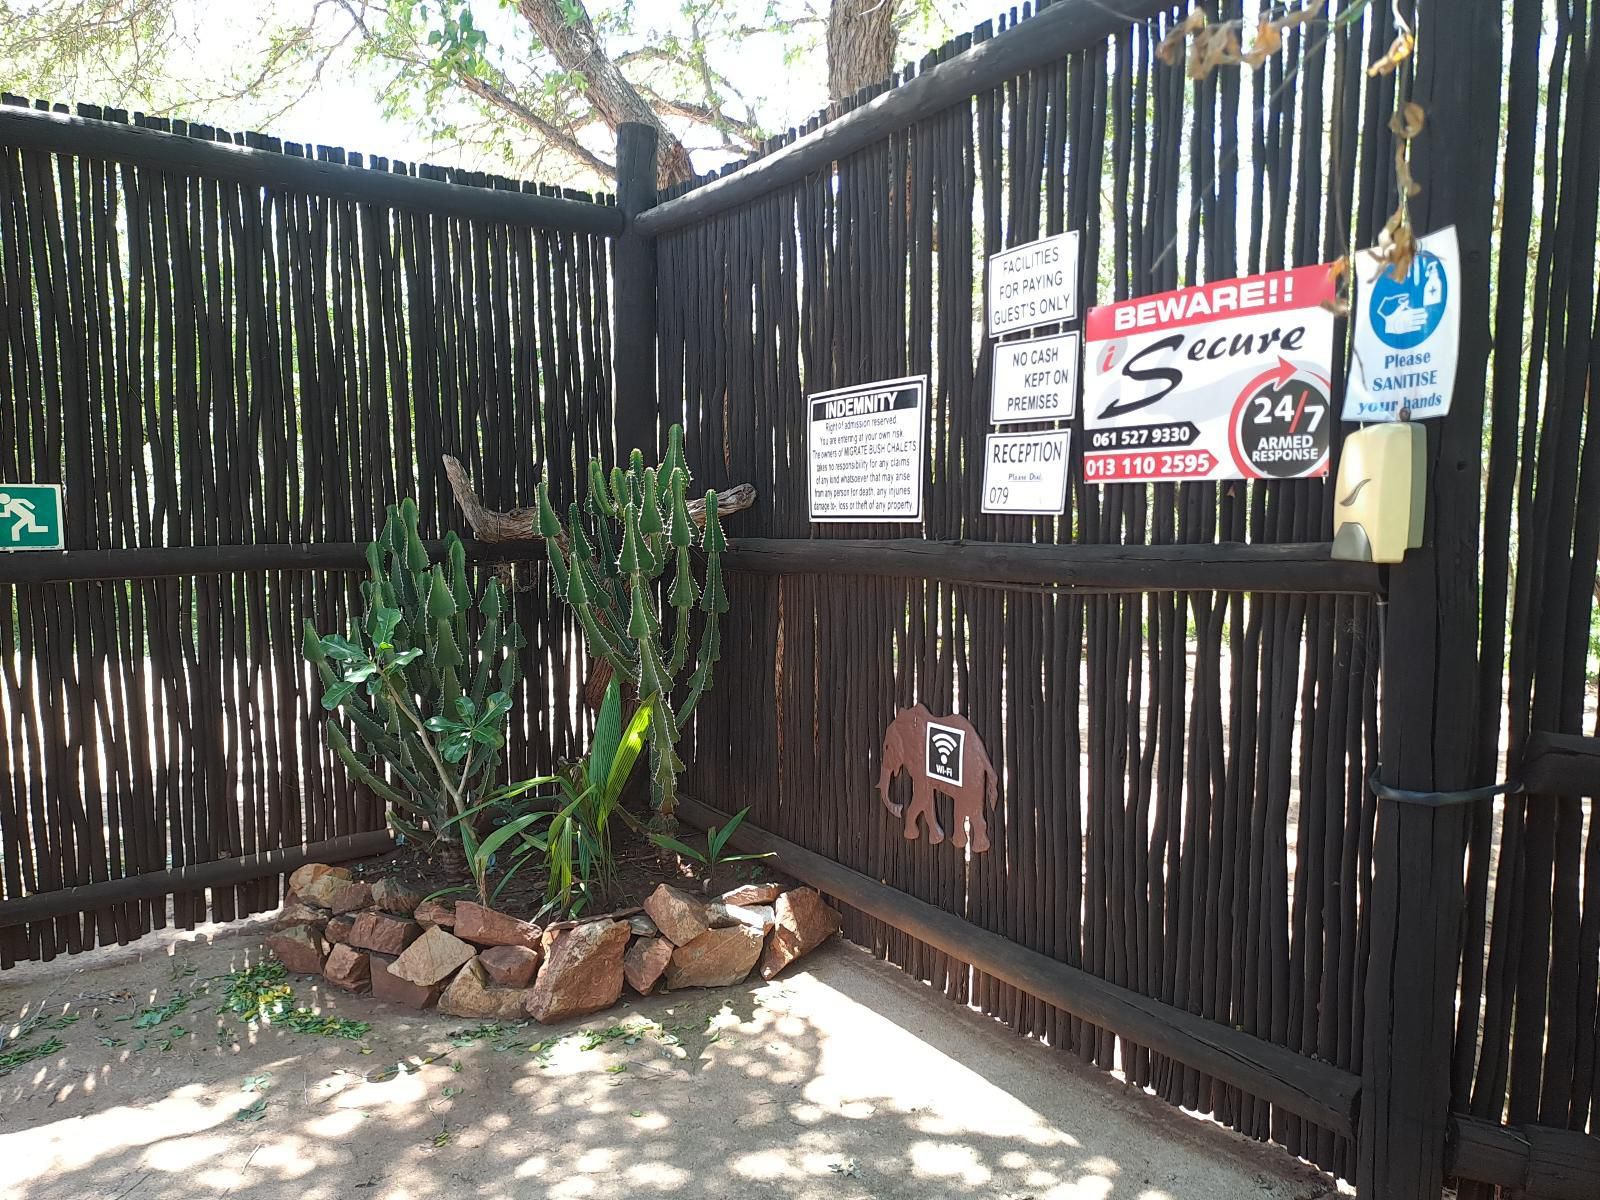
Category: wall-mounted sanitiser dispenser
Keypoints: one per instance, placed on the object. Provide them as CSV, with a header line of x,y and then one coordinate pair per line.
x,y
1380,494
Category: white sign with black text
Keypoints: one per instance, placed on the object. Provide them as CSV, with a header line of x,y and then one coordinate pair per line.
x,y
1035,284
865,449
1026,472
1407,333
1035,380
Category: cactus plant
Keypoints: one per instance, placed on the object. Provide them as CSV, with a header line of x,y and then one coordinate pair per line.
x,y
425,687
608,559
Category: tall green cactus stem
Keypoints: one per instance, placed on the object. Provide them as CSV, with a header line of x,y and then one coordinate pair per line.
x,y
418,702
608,558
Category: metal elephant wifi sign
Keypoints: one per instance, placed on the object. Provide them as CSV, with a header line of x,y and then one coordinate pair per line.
x,y
1231,380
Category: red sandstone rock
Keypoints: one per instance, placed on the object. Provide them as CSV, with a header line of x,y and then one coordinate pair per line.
x,y
753,893
383,932
325,888
644,962
432,958
338,930
509,966
298,912
717,958
583,973
487,927
395,897
300,948
804,922
679,916
347,968
436,912
352,897
469,995
758,916
391,989
302,877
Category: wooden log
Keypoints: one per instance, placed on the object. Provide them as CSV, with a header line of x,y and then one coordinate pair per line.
x,y
1561,764
32,129
1430,677
160,562
1535,1161
1064,27
522,524
220,873
633,295
1295,567
1315,1090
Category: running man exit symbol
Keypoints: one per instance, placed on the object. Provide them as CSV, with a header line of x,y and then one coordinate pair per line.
x,y
31,516
945,746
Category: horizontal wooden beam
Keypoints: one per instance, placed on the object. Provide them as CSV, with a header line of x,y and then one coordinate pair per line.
x,y
1230,567
61,133
1318,1091
1061,29
82,566
1535,1161
1561,764
88,897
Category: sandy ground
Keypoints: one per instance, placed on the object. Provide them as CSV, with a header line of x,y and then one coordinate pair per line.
x,y
844,1080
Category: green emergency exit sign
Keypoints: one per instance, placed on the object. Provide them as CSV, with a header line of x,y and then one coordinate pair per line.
x,y
31,517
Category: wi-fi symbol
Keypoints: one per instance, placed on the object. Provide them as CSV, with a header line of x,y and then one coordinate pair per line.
x,y
944,744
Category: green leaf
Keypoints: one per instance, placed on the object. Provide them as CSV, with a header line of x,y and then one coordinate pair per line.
x,y
629,747
337,694
677,847
341,649
719,838
382,625
509,830
607,733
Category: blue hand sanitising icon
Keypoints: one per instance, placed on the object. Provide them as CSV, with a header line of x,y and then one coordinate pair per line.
x,y
1405,311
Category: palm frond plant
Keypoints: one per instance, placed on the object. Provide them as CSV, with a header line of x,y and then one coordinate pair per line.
x,y
568,817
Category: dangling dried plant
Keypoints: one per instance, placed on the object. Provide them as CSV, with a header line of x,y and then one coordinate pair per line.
x,y
1214,44
1396,244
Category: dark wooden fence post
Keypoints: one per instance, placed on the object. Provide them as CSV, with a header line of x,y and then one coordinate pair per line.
x,y
633,297
1429,674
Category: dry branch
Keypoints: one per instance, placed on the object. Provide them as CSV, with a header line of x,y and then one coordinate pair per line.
x,y
522,524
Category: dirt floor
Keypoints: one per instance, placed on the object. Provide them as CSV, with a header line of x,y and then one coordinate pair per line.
x,y
843,1080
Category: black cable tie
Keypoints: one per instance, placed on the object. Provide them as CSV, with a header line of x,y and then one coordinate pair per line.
x,y
1443,799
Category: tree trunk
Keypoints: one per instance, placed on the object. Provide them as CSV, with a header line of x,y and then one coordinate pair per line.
x,y
861,44
576,46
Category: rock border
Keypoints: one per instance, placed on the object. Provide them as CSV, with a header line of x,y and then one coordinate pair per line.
x,y
466,958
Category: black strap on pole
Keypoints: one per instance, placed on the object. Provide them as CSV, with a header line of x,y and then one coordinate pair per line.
x,y
1442,799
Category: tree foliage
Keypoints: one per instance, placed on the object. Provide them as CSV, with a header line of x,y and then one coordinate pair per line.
x,y
533,85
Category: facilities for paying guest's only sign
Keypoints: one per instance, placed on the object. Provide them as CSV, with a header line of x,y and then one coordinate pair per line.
x,y
1226,381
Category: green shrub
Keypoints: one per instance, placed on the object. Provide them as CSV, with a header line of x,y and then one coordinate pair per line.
x,y
418,698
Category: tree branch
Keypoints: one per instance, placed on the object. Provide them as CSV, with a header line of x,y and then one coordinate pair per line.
x,y
567,32
559,137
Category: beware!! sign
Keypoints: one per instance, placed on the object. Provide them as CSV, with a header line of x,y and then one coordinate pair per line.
x,y
1226,381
